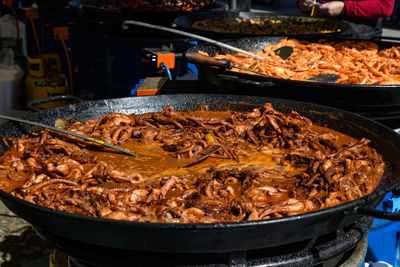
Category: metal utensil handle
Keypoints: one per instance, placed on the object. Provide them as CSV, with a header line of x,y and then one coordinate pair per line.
x,y
205,39
127,151
391,216
222,63
202,59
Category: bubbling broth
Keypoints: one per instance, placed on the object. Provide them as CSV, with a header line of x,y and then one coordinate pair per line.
x,y
267,165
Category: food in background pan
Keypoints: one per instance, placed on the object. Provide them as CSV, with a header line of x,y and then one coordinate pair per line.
x,y
282,25
268,165
355,62
148,5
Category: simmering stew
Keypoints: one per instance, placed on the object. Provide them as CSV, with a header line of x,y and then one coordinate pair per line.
x,y
267,165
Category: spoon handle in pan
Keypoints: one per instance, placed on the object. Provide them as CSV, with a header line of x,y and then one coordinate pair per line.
x,y
195,36
126,151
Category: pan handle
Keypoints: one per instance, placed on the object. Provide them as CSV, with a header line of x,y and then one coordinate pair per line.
x,y
391,216
245,81
381,38
202,59
396,192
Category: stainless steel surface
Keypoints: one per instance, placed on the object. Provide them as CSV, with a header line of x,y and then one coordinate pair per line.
x,y
232,4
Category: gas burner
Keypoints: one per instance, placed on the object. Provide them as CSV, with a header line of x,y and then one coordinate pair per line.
x,y
319,250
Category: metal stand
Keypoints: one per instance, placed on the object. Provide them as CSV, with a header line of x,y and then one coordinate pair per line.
x,y
242,5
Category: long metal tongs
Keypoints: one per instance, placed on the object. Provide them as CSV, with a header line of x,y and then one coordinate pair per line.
x,y
126,23
91,139
283,52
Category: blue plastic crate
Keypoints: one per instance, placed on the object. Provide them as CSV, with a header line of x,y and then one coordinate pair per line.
x,y
383,238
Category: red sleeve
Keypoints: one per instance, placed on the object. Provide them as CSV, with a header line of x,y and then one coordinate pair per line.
x,y
369,9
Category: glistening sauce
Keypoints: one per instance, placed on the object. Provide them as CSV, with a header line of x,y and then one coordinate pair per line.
x,y
153,162
268,165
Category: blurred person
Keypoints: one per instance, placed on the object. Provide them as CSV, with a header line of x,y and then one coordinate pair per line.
x,y
364,16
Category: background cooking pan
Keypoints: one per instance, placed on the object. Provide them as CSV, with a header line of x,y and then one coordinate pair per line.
x,y
185,23
351,97
156,16
216,237
110,20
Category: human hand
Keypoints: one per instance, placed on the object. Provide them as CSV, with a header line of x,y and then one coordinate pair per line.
x,y
333,9
305,5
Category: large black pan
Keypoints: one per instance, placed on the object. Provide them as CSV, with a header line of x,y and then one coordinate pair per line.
x,y
350,97
161,17
185,23
216,237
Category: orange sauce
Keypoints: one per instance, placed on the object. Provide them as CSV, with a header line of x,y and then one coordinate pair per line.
x,y
152,162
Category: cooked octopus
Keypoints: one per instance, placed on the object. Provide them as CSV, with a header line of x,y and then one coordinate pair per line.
x,y
268,165
355,62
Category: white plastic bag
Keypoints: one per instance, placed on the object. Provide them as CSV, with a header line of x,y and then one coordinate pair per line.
x,y
10,78
8,29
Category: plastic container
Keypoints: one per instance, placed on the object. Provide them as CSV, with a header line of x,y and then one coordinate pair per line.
x,y
10,78
8,29
384,236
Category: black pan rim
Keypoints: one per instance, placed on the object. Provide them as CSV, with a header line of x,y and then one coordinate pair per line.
x,y
349,207
261,15
360,87
217,7
259,78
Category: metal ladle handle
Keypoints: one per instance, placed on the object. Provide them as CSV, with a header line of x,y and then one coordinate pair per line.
x,y
126,23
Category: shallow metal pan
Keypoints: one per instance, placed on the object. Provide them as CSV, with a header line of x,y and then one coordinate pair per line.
x,y
352,97
215,237
185,23
160,17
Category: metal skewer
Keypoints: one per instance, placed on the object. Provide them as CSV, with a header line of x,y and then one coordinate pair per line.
x,y
126,151
205,39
